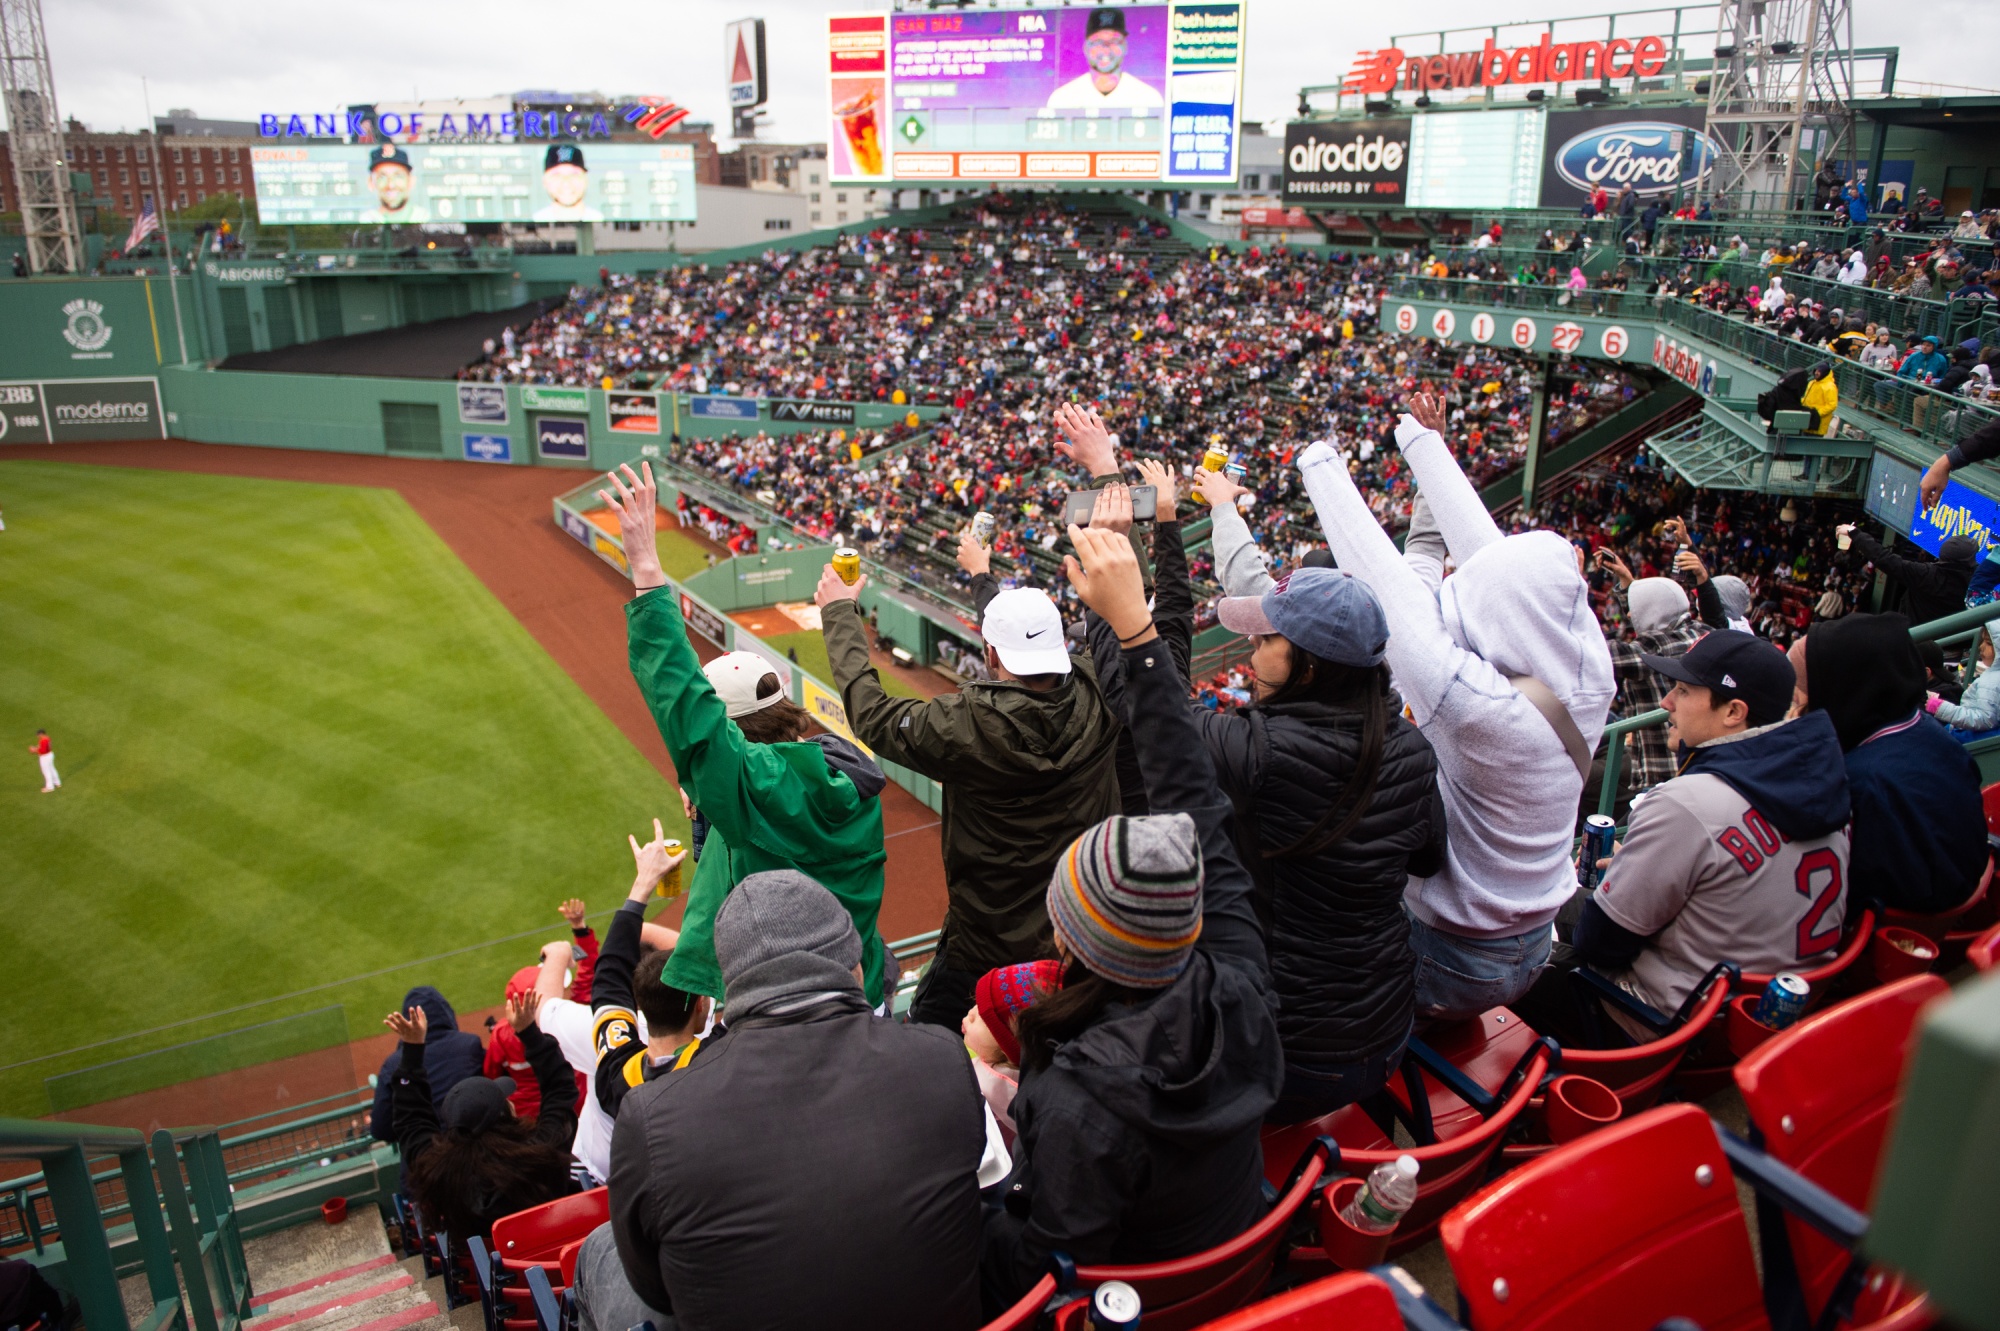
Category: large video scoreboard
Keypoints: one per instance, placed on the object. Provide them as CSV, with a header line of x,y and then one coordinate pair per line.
x,y
1134,94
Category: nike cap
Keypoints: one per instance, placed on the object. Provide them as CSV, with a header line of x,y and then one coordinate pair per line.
x,y
735,676
1022,626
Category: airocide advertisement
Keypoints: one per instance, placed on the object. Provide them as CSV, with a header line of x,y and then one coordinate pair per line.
x,y
1349,161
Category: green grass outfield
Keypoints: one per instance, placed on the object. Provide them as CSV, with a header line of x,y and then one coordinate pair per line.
x,y
299,742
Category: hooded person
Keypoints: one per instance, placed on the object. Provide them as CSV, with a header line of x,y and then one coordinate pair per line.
x,y
1506,671
450,1056
773,796
1919,836
817,1165
1658,611
1146,1077
1724,601
1930,588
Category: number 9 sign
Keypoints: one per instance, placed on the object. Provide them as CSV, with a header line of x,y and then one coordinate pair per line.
x,y
1406,318
1567,337
1482,327
1524,333
1614,341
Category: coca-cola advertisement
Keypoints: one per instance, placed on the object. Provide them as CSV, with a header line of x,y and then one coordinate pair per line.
x,y
1347,161
1657,151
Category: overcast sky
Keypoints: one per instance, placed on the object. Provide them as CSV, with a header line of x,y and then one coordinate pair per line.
x,y
237,61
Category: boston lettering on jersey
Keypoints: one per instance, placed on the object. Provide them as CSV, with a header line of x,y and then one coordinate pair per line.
x,y
1379,71
1817,877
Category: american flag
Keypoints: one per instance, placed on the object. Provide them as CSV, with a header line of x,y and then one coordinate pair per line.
x,y
148,224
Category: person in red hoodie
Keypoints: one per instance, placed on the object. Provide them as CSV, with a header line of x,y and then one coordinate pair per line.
x,y
505,1055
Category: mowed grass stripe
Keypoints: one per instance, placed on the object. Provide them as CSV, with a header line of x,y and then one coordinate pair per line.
x,y
299,742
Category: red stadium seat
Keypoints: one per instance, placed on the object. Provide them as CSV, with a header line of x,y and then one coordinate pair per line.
x,y
1351,1301
537,1237
1184,1293
1953,930
1621,1229
1504,1062
1984,951
1028,1310
1822,1094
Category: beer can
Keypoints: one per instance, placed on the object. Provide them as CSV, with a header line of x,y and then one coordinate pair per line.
x,y
1784,1001
1236,471
671,885
1215,459
847,563
982,528
1114,1306
1598,832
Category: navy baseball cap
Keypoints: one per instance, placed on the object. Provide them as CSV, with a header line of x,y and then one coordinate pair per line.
x,y
1331,613
563,154
388,154
1732,664
476,1103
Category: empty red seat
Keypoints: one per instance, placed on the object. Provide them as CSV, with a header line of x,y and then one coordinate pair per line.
x,y
1351,1301
1616,1231
537,1237
1823,1094
1984,951
1026,1310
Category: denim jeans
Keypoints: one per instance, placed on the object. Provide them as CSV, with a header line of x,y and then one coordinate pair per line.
x,y
1460,977
604,1298
1312,1092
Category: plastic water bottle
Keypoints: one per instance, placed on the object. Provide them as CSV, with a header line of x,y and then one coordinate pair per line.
x,y
1390,1191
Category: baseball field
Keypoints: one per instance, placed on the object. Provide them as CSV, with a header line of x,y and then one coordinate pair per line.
x,y
302,745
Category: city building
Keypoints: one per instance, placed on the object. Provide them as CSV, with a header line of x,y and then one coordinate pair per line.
x,y
121,168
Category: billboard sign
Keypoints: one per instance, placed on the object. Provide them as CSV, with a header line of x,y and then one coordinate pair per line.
x,y
537,397
1656,152
487,447
482,404
1355,161
812,413
723,408
1142,92
1382,70
1582,335
697,616
65,411
414,183
743,58
632,413
562,437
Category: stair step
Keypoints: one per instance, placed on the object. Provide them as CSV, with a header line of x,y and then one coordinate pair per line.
x,y
265,1298
350,1294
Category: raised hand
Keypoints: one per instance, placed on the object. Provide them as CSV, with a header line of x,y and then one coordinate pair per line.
x,y
572,910
1166,494
1085,441
1106,576
1931,487
1217,488
1428,408
638,506
653,861
521,1009
973,557
1112,510
832,587
411,1027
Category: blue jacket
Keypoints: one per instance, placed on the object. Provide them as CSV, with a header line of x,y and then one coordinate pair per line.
x,y
1789,773
1923,364
1919,827
1857,207
1979,708
450,1056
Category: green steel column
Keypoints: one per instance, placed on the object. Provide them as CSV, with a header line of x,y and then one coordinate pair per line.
x,y
92,1276
186,1233
1547,367
155,1250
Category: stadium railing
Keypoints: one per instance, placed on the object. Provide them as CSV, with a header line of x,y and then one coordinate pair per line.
x,y
183,1222
1952,629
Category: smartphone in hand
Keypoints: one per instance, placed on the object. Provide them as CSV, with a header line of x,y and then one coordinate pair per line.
x,y
1077,508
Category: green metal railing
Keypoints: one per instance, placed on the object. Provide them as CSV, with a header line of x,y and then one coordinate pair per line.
x,y
182,1217
1951,629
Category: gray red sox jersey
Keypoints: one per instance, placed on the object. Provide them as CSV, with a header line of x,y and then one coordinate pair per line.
x,y
1708,874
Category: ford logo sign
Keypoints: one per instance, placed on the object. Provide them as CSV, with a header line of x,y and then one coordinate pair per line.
x,y
1645,154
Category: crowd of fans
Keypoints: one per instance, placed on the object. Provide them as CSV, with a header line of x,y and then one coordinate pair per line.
x,y
1171,927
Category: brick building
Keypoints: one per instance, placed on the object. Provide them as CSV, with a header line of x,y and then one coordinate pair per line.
x,y
121,169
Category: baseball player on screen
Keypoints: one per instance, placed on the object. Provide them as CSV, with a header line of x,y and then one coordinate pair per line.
x,y
566,180
392,181
1107,85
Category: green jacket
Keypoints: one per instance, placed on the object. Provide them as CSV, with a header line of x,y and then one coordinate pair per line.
x,y
1024,774
769,806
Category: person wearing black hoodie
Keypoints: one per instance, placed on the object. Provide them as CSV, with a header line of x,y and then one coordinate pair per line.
x,y
1740,857
1146,1077
1932,588
1919,827
450,1056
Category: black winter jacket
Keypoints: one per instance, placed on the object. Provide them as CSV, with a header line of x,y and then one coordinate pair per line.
x,y
450,1056
1932,588
1140,1141
1334,923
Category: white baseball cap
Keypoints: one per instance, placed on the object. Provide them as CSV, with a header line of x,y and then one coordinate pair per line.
x,y
735,677
1022,626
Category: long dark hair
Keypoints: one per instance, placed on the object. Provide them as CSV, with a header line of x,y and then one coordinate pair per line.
x,y
1068,1012
780,723
1362,688
464,1181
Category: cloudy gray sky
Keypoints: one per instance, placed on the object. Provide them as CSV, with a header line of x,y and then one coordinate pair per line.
x,y
236,61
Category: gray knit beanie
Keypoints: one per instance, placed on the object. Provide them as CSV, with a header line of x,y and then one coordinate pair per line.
x,y
1127,897
781,934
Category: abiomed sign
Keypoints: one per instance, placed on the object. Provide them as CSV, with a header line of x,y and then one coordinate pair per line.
x,y
66,411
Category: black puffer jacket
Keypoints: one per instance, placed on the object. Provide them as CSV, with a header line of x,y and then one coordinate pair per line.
x,y
1333,921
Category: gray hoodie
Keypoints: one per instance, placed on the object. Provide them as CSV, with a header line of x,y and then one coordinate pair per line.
x,y
1516,606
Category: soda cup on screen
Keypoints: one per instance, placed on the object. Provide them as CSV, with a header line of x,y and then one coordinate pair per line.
x,y
671,885
1114,1306
861,124
982,528
847,563
1784,1001
1598,832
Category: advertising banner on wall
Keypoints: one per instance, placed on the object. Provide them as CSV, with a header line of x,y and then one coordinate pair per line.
x,y
66,411
632,413
562,437
487,447
482,404
1353,161
723,408
535,397
1656,151
1145,92
704,621
1574,335
812,413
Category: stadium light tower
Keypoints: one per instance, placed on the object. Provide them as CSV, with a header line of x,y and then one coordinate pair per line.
x,y
1783,80
35,140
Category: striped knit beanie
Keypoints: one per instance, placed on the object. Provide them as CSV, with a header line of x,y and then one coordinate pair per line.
x,y
1127,897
